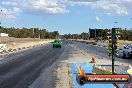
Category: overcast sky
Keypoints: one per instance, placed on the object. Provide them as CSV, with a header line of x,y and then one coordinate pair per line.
x,y
66,16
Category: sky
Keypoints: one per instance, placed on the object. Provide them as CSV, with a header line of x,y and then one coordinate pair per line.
x,y
66,16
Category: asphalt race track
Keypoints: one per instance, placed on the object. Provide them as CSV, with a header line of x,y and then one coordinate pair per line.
x,y
19,70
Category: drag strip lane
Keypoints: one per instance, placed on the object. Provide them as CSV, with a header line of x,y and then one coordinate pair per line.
x,y
14,78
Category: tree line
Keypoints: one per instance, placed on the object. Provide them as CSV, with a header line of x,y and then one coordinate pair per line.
x,y
124,35
83,35
29,33
45,34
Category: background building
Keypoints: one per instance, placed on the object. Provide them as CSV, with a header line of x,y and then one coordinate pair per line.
x,y
95,33
3,35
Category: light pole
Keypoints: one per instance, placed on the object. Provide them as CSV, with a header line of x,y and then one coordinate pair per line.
x,y
95,34
113,48
0,20
101,34
33,32
115,24
124,34
113,38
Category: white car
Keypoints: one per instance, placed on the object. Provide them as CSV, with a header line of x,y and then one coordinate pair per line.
x,y
127,51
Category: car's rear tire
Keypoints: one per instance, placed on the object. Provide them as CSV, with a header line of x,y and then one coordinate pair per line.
x,y
124,56
130,56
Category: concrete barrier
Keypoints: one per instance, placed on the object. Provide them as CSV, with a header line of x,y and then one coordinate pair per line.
x,y
7,48
3,47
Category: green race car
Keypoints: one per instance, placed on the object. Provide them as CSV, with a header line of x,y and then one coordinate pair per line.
x,y
56,43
